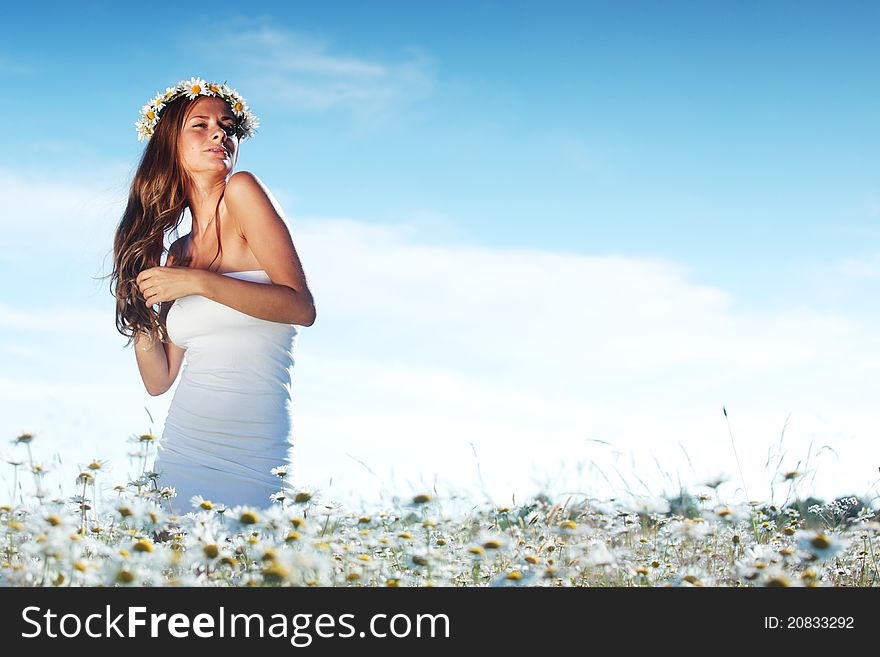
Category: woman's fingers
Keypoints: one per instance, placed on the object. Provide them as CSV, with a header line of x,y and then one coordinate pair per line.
x,y
148,288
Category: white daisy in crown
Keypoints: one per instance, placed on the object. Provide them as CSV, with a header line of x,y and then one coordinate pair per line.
x,y
150,112
143,131
196,87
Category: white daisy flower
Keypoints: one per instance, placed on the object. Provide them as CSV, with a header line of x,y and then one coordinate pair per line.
x,y
820,545
120,572
244,519
279,517
775,576
196,87
513,578
85,572
167,492
201,503
205,548
239,107
297,568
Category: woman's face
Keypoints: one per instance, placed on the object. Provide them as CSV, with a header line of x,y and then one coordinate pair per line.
x,y
208,141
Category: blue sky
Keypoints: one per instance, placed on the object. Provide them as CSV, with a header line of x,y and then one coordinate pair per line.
x,y
528,226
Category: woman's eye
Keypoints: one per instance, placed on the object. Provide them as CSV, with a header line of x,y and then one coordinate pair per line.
x,y
228,128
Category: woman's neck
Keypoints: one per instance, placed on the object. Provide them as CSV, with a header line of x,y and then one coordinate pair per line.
x,y
203,202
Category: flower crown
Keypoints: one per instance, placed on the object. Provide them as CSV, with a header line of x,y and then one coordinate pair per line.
x,y
193,88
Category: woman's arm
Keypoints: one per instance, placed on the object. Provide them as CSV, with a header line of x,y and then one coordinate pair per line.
x,y
159,363
276,303
260,221
159,367
152,362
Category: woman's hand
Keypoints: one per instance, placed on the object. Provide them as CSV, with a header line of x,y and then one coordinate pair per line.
x,y
159,284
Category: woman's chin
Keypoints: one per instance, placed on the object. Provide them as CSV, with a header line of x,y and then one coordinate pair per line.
x,y
221,167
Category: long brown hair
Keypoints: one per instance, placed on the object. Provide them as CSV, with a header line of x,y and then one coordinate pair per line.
x,y
158,196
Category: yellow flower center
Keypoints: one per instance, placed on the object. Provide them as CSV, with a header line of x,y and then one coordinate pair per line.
x,y
275,573
820,542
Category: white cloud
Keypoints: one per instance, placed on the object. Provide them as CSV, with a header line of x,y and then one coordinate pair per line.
x,y
47,216
301,71
864,267
612,316
62,319
301,52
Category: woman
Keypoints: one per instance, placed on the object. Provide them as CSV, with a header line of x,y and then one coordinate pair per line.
x,y
235,315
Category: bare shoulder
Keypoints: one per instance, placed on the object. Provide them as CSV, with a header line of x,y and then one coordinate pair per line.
x,y
245,187
250,203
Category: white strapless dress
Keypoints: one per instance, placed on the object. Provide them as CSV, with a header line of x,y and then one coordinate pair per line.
x,y
230,420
